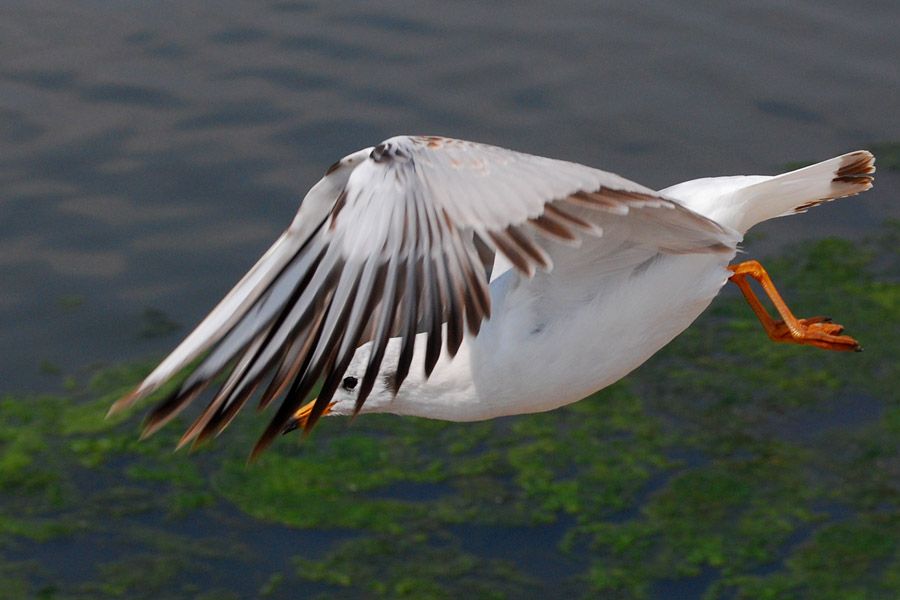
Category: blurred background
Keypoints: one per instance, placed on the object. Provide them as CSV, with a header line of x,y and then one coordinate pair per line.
x,y
151,151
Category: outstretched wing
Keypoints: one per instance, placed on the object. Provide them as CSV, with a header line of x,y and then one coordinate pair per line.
x,y
385,245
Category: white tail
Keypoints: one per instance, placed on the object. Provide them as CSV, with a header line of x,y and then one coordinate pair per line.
x,y
742,202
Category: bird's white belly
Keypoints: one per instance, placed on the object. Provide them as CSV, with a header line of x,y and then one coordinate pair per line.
x,y
526,361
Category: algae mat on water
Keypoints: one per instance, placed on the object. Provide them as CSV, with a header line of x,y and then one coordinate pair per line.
x,y
728,467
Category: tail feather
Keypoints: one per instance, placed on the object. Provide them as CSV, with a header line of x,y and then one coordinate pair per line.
x,y
797,191
743,201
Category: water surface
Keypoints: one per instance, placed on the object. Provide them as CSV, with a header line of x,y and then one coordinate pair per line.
x,y
151,151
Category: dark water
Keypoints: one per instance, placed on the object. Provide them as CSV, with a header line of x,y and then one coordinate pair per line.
x,y
149,152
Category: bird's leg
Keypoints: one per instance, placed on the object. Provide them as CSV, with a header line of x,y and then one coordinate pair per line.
x,y
817,331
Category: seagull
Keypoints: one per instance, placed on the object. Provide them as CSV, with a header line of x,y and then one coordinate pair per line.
x,y
447,279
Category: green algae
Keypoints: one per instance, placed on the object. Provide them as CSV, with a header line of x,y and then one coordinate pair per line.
x,y
412,566
756,470
12,585
48,368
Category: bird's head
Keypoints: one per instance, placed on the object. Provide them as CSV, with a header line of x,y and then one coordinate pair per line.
x,y
346,395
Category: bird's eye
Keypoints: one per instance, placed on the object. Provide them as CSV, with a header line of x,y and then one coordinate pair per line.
x,y
350,382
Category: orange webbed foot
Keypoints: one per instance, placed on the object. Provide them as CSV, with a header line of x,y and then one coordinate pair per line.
x,y
815,331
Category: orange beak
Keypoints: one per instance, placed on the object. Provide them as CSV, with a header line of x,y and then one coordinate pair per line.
x,y
302,416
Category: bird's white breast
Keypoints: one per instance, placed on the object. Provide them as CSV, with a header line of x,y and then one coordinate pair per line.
x,y
537,354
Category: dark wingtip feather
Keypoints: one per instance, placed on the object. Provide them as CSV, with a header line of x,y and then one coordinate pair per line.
x,y
433,305
168,409
455,325
856,164
408,328
124,402
264,441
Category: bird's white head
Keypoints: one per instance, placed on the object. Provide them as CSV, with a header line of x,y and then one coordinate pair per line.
x,y
344,401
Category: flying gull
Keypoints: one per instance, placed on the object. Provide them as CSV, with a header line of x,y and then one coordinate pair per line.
x,y
453,280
